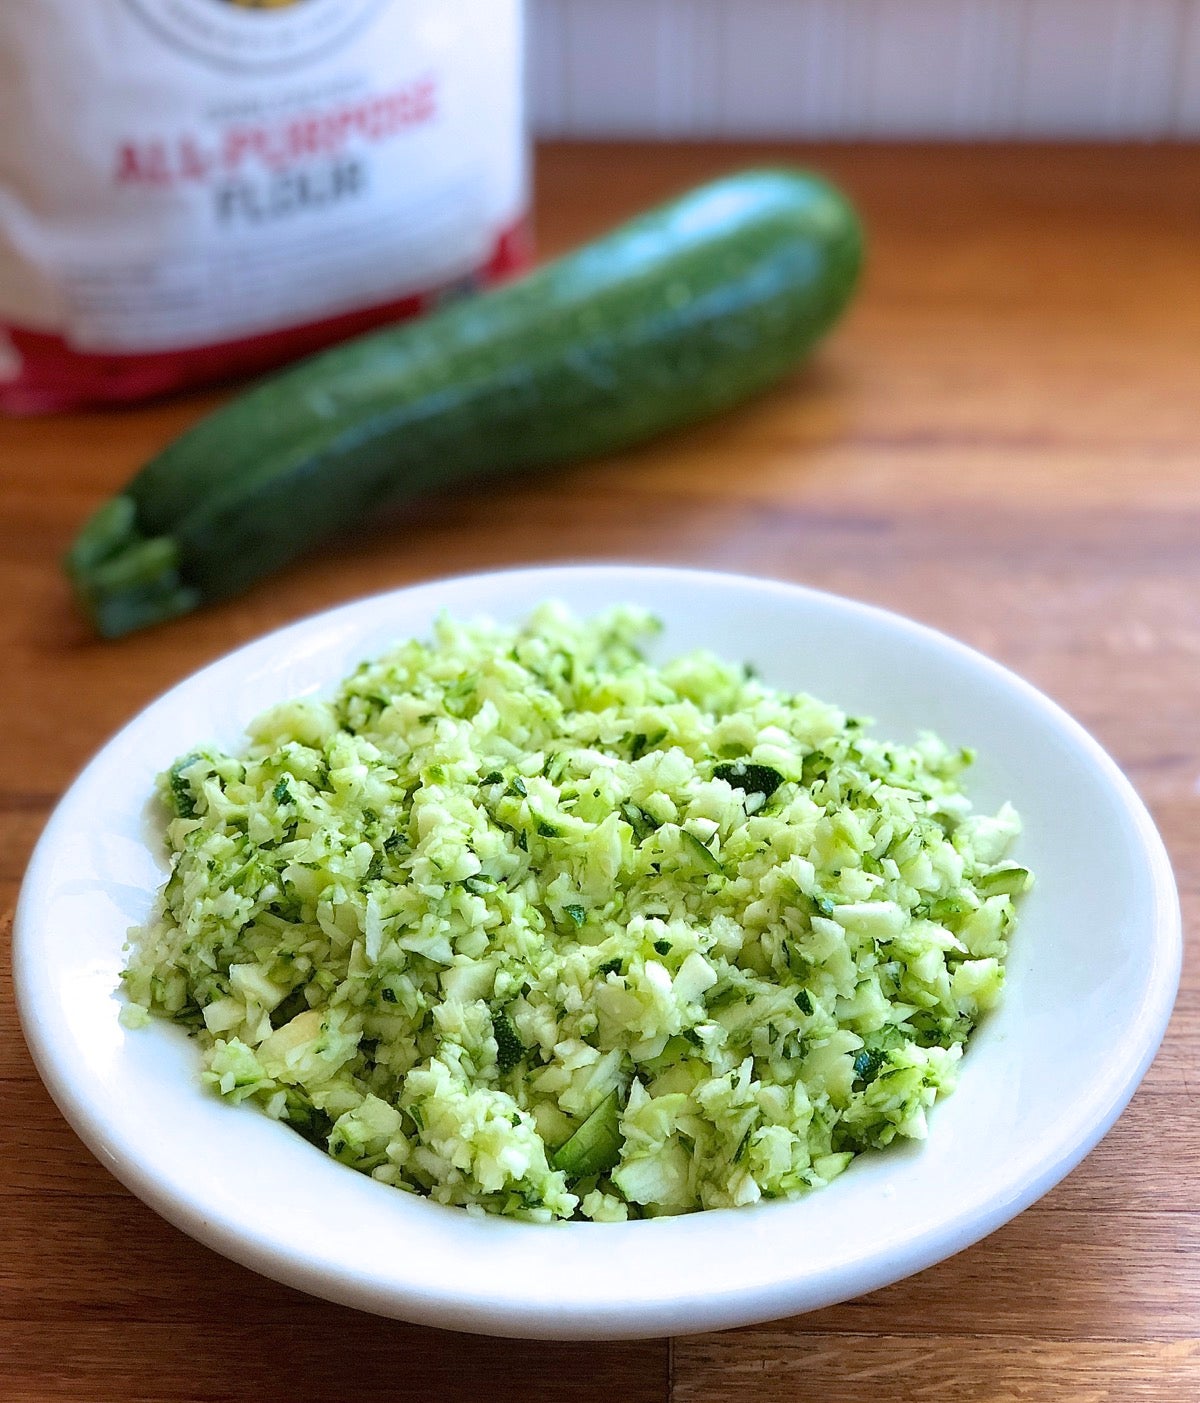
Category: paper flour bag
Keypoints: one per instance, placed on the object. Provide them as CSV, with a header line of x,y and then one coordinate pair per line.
x,y
196,189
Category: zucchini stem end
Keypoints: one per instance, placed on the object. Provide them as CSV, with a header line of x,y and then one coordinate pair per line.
x,y
123,579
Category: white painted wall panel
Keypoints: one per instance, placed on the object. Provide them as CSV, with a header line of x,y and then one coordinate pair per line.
x,y
991,55
1147,53
881,68
914,55
546,76
612,66
791,65
1104,69
689,45
1067,71
1186,114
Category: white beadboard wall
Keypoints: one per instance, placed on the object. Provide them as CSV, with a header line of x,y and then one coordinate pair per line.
x,y
950,69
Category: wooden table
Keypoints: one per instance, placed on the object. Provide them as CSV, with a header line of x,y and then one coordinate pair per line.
x,y
1002,440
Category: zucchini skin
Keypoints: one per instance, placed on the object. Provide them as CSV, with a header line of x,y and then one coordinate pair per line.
x,y
673,317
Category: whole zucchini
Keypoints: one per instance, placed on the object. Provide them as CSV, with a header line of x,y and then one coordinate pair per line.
x,y
674,316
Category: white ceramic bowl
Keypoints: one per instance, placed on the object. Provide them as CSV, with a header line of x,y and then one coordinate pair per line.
x,y
1092,978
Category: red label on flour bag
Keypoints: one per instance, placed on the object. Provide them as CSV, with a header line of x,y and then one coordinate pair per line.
x,y
197,189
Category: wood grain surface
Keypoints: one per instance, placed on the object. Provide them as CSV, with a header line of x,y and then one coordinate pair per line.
x,y
1003,440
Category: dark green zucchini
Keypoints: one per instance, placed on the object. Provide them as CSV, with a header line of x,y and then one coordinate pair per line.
x,y
672,317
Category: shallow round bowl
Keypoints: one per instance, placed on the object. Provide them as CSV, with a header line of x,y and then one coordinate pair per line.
x,y
1092,976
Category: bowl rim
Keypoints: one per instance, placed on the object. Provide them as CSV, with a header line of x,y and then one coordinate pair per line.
x,y
698,1309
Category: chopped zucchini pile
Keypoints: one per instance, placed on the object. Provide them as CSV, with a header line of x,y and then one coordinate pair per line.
x,y
525,923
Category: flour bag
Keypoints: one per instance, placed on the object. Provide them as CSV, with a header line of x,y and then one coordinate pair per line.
x,y
193,190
